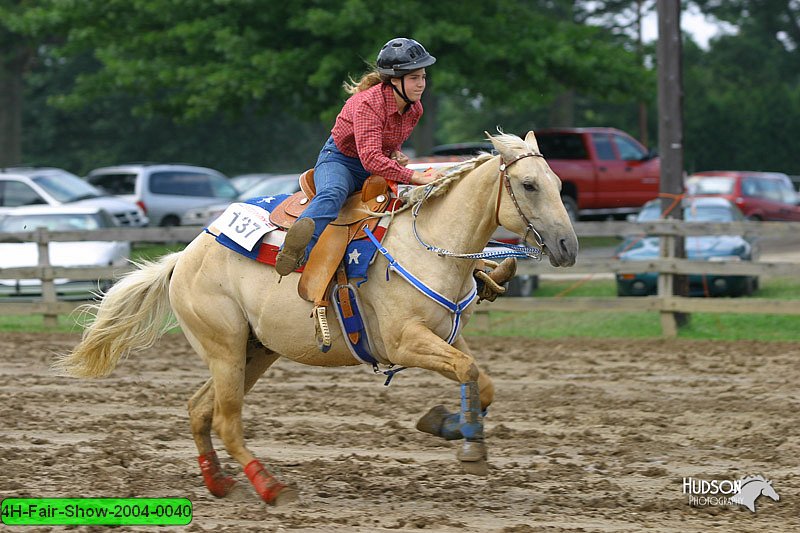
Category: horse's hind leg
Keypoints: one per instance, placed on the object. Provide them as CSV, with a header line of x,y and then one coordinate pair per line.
x,y
201,410
229,388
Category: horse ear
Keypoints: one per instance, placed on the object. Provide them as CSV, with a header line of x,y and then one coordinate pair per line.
x,y
530,139
502,149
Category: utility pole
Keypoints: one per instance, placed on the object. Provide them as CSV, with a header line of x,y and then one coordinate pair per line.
x,y
643,137
670,147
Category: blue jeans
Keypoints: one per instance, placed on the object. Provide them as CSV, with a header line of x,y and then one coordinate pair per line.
x,y
336,177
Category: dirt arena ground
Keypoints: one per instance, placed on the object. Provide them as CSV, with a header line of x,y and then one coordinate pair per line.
x,y
585,435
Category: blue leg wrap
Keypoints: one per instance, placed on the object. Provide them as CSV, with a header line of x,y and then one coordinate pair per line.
x,y
471,417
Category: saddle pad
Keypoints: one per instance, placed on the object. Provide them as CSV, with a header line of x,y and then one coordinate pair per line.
x,y
357,258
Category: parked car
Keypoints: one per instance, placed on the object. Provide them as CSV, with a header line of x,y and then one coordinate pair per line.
x,y
21,186
276,184
85,253
243,182
164,191
760,195
702,248
604,171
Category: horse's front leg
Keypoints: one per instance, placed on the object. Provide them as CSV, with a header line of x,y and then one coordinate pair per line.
x,y
441,422
420,347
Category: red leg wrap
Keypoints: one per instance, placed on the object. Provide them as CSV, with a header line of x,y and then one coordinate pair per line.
x,y
219,483
266,485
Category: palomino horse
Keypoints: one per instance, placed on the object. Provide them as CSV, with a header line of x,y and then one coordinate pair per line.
x,y
240,319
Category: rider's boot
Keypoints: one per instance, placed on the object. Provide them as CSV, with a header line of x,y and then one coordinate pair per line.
x,y
293,254
490,284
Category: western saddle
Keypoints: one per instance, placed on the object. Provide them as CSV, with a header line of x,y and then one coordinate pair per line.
x,y
327,254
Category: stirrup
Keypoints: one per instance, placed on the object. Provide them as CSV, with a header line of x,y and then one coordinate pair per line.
x,y
321,329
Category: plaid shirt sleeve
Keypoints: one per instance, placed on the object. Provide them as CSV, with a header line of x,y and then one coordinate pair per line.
x,y
369,138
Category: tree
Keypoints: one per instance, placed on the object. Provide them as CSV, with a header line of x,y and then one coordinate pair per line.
x,y
743,95
15,57
195,58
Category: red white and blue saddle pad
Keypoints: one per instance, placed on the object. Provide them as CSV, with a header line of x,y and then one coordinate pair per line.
x,y
245,228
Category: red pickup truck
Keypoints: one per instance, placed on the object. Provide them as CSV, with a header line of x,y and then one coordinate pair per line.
x,y
604,171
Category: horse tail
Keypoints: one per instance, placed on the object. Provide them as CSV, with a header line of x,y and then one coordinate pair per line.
x,y
133,314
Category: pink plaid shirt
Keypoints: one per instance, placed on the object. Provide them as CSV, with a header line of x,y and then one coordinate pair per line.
x,y
370,127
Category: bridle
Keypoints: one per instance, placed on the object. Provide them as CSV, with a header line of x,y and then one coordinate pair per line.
x,y
506,250
505,180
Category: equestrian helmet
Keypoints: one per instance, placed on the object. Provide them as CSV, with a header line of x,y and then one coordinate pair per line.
x,y
400,56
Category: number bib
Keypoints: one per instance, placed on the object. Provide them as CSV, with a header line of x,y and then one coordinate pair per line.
x,y
245,224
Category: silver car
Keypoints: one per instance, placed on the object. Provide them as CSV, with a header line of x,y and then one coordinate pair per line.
x,y
22,186
164,191
275,184
86,253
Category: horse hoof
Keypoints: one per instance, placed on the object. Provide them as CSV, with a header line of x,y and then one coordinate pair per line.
x,y
431,422
472,451
286,496
475,468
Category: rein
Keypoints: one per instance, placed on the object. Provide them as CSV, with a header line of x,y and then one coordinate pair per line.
x,y
509,250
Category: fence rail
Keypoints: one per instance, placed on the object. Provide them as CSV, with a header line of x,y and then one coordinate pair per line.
x,y
665,302
49,306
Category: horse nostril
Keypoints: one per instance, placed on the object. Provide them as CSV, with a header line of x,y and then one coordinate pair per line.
x,y
563,246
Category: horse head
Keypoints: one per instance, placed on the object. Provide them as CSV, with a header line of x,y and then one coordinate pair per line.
x,y
751,488
530,204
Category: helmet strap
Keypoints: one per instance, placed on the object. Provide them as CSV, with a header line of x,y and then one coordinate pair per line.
x,y
402,94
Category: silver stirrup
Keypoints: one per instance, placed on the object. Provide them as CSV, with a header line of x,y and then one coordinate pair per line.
x,y
321,329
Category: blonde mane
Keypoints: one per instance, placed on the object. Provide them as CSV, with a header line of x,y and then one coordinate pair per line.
x,y
453,174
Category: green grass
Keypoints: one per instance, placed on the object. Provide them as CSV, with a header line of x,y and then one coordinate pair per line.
x,y
149,252
598,242
540,324
601,324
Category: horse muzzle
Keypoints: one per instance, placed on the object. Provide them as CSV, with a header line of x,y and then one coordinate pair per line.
x,y
562,250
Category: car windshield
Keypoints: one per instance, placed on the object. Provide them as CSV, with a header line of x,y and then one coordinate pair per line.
x,y
710,185
66,187
53,222
692,212
282,185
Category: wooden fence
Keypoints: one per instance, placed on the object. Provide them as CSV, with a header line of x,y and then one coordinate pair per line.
x,y
49,305
667,267
664,302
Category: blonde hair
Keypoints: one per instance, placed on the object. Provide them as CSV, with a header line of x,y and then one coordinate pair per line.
x,y
369,79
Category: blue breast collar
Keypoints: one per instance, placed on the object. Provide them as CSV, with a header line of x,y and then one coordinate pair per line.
x,y
455,308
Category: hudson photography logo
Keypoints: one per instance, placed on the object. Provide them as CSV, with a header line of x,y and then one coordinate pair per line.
x,y
728,492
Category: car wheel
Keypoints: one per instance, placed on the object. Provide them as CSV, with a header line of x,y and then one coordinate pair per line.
x,y
571,206
744,289
170,220
523,285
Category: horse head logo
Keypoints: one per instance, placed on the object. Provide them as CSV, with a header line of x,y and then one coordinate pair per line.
x,y
751,488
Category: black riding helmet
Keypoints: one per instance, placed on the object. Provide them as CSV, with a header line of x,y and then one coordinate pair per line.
x,y
400,56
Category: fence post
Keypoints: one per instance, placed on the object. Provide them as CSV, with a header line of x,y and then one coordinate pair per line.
x,y
49,298
666,283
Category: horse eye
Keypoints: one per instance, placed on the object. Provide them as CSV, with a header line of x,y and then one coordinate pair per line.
x,y
530,187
